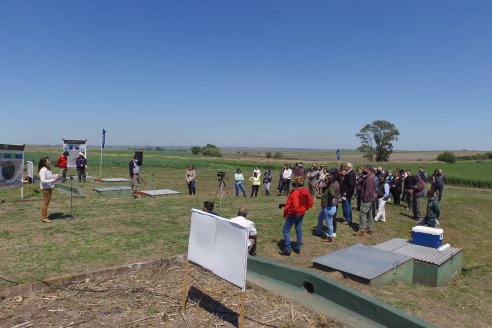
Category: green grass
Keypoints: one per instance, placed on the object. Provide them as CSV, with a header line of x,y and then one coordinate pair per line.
x,y
118,230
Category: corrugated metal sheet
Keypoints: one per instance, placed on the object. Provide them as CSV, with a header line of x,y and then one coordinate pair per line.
x,y
417,252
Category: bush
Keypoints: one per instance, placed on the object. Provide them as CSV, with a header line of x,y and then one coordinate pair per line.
x,y
268,154
195,150
278,155
213,152
447,157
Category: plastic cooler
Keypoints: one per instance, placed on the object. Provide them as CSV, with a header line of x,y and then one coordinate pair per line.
x,y
426,236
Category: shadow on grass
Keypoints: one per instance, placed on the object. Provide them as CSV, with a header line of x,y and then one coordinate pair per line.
x,y
213,307
60,216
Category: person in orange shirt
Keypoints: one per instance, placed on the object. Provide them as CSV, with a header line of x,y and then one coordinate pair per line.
x,y
62,163
298,202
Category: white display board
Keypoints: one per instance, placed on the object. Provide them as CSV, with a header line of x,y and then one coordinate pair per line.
x,y
220,246
74,147
30,171
11,165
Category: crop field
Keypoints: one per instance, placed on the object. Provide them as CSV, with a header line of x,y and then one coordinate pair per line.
x,y
108,231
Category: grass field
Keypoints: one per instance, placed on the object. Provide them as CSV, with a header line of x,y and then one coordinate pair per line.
x,y
119,230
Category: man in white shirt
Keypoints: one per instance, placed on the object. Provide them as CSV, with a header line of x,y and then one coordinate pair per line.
x,y
242,221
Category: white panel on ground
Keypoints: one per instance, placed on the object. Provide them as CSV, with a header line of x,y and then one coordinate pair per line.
x,y
231,252
115,180
160,192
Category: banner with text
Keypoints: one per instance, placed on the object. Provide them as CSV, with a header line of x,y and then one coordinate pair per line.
x,y
74,147
11,165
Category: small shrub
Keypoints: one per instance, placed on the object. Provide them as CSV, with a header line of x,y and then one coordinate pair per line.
x,y
268,154
447,157
278,155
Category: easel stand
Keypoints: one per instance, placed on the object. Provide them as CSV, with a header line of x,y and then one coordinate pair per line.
x,y
184,296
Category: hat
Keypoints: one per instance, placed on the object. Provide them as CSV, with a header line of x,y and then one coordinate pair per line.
x,y
81,154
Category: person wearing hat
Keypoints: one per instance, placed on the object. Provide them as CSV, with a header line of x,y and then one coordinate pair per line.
x,y
62,162
81,165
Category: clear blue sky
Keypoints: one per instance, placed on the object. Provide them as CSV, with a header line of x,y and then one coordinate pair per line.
x,y
271,73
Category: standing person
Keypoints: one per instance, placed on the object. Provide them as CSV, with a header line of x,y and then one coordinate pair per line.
x,y
62,163
256,184
81,164
383,195
417,195
328,210
134,171
267,180
433,181
396,188
190,179
408,186
258,171
368,197
46,178
252,233
298,202
280,179
238,182
440,182
299,171
347,190
312,176
358,187
286,176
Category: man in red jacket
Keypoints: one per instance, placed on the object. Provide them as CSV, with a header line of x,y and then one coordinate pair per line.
x,y
298,203
62,164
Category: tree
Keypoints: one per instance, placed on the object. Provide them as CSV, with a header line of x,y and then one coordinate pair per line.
x,y
447,157
376,140
195,150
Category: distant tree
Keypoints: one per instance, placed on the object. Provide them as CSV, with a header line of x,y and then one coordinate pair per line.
x,y
195,150
278,155
268,154
447,157
245,153
376,140
211,150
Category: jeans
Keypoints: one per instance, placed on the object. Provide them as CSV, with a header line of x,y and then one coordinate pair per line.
x,y
239,186
81,174
266,185
366,218
417,207
289,222
347,208
439,189
191,187
254,190
327,214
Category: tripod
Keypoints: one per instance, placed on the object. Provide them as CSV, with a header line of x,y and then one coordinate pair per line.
x,y
221,189
70,216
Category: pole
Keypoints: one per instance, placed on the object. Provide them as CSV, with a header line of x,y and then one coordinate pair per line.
x,y
101,162
185,286
241,314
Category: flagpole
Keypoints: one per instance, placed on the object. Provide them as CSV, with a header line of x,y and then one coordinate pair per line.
x,y
101,161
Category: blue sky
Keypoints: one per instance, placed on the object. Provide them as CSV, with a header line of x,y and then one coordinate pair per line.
x,y
303,74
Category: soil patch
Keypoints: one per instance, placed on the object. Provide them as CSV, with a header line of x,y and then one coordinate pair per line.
x,y
151,297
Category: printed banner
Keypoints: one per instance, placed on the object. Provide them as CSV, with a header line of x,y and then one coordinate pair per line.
x,y
11,165
74,147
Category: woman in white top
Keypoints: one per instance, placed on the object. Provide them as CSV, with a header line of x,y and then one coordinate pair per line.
x,y
238,182
46,178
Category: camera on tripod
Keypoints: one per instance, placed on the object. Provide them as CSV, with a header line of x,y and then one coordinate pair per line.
x,y
221,175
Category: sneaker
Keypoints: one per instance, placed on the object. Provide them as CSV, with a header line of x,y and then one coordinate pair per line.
x,y
334,235
285,252
347,223
297,250
359,233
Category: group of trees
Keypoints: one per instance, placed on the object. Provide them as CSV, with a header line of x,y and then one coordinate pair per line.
x,y
208,150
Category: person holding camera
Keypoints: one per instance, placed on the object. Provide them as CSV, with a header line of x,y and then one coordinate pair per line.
x,y
46,178
238,182
298,202
190,179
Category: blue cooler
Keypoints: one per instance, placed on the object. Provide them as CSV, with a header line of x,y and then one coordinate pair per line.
x,y
426,236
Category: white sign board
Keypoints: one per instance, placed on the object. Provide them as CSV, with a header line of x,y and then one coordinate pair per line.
x,y
220,246
30,171
11,165
74,147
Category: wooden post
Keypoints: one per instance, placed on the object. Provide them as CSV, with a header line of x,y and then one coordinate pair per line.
x,y
185,286
241,315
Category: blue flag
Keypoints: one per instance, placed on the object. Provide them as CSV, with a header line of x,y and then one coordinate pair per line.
x,y
103,139
338,154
